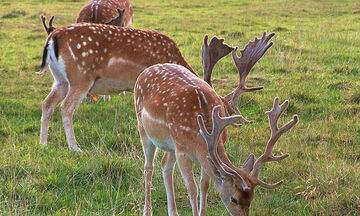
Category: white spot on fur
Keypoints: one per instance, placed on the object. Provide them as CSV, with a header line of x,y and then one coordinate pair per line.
x,y
184,128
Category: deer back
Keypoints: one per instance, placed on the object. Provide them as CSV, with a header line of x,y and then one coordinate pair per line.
x,y
103,45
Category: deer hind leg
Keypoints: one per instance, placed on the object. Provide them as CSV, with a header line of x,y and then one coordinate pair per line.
x,y
204,186
92,98
56,95
73,98
149,152
186,170
168,163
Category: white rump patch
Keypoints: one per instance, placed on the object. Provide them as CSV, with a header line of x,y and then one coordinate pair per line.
x,y
57,66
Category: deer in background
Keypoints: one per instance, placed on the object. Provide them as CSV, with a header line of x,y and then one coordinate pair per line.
x,y
107,12
183,115
101,59
111,12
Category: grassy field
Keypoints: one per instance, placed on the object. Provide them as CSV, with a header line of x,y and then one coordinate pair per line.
x,y
314,63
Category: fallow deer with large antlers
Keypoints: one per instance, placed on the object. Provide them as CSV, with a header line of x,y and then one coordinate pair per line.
x,y
101,59
175,110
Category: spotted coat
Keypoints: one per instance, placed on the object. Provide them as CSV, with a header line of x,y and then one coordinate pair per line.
x,y
103,11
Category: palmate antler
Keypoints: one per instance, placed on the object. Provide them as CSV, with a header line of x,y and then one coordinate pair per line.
x,y
51,27
211,54
218,125
274,115
252,52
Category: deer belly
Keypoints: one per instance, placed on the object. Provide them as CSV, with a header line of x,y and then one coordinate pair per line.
x,y
157,132
166,145
111,86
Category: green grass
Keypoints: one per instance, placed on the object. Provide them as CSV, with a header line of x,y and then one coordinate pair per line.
x,y
314,63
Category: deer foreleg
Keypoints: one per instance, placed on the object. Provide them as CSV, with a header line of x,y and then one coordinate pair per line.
x,y
186,170
168,163
204,186
149,152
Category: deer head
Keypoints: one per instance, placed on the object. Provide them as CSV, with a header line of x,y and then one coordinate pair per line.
x,y
236,185
118,21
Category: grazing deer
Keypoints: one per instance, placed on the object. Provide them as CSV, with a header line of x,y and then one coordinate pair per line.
x,y
107,12
101,59
175,110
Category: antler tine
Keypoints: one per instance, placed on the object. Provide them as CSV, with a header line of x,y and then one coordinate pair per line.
x,y
219,123
211,54
268,156
252,52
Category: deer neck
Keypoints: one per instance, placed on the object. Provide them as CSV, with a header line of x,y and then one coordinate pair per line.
x,y
187,65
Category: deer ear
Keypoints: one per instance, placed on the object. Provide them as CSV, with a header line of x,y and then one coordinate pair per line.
x,y
215,170
119,20
249,164
121,11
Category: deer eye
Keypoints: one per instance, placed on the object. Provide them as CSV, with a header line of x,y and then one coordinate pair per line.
x,y
234,200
